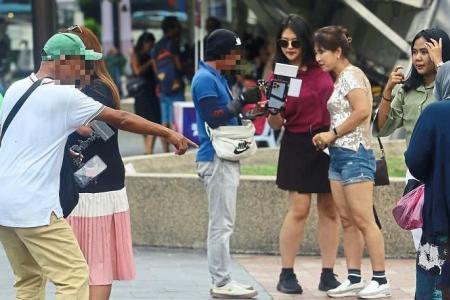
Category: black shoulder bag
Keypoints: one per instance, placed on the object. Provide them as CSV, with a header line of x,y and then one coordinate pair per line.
x,y
68,189
381,173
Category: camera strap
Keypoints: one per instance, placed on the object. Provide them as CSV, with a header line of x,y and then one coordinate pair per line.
x,y
17,107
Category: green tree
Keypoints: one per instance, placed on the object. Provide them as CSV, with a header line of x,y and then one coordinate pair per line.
x,y
94,26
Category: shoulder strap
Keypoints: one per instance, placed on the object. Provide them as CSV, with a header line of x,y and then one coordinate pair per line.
x,y
381,147
17,107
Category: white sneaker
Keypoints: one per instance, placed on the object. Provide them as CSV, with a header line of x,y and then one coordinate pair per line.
x,y
374,290
232,290
346,289
243,285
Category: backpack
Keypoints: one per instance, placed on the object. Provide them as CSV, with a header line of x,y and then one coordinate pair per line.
x,y
166,70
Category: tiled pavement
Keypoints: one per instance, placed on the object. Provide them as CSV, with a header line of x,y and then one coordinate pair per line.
x,y
183,274
266,269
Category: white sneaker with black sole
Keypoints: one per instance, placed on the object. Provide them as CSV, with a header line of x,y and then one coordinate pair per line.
x,y
374,290
233,290
346,289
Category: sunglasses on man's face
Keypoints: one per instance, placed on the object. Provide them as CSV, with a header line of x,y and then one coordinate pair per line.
x,y
285,43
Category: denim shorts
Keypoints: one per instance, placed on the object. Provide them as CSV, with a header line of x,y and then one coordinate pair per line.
x,y
349,166
167,106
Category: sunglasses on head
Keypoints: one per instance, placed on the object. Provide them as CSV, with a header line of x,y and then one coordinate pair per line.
x,y
74,28
285,43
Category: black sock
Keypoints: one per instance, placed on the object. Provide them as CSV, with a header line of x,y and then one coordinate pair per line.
x,y
287,271
327,271
354,275
380,277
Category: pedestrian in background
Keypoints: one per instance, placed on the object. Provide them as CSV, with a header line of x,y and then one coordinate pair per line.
x,y
115,63
303,117
146,102
352,163
168,68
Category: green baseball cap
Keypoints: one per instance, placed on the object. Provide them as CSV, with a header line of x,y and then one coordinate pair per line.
x,y
67,44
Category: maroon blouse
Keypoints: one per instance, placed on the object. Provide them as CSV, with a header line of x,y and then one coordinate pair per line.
x,y
308,112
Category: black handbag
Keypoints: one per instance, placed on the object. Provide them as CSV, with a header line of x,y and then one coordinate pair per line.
x,y
68,189
381,173
135,86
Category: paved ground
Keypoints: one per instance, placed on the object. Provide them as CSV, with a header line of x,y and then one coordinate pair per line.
x,y
161,274
266,270
183,274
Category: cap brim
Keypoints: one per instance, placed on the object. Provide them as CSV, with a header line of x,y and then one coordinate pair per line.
x,y
92,55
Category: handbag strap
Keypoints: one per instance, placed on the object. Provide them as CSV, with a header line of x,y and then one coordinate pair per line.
x,y
17,107
381,147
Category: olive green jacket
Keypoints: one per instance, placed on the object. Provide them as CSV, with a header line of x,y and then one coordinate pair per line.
x,y
405,110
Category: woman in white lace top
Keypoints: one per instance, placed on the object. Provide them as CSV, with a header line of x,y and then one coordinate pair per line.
x,y
352,163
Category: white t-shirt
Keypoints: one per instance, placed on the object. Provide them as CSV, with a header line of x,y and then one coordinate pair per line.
x,y
32,149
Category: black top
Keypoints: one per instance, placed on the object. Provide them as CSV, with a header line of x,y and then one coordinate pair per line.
x,y
149,74
113,178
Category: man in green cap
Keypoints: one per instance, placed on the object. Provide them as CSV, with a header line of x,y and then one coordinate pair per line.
x,y
38,241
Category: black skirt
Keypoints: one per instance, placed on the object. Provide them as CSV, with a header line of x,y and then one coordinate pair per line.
x,y
147,105
301,167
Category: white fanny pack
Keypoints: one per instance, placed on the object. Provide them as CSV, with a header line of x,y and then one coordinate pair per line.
x,y
233,142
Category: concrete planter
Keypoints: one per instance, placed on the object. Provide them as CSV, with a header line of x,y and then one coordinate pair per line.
x,y
169,209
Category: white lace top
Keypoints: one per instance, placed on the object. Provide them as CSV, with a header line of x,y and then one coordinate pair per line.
x,y
340,109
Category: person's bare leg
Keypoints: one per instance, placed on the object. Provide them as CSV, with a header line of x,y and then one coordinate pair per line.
x,y
149,143
165,144
360,202
100,292
328,231
353,240
291,233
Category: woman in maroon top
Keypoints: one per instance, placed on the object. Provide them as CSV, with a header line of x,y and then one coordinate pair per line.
x,y
302,169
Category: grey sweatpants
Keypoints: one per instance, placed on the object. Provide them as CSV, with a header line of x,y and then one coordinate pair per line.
x,y
221,179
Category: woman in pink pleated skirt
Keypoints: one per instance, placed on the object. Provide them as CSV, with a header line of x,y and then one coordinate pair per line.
x,y
101,220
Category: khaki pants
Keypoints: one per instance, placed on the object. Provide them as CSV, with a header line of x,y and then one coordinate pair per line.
x,y
47,252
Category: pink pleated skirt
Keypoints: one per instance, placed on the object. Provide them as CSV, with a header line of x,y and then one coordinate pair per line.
x,y
101,223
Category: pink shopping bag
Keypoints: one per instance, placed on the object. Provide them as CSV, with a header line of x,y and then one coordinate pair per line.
x,y
408,210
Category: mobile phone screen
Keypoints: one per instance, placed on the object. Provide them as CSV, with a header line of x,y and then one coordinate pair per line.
x,y
91,169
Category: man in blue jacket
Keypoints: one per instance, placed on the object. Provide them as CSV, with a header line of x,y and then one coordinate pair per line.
x,y
215,105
